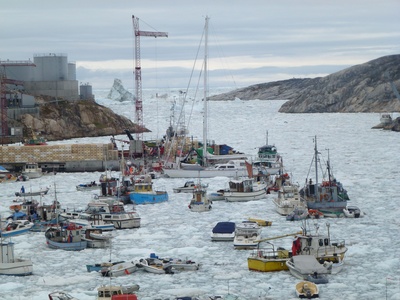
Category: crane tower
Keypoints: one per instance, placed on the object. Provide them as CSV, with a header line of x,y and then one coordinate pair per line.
x,y
138,71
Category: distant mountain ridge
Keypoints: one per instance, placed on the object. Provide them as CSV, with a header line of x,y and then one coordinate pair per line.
x,y
360,88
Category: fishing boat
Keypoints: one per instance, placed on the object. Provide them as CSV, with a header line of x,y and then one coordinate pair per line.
x,y
66,237
268,160
328,196
247,235
268,259
11,265
307,289
200,201
32,170
245,189
122,220
288,199
117,292
144,193
223,231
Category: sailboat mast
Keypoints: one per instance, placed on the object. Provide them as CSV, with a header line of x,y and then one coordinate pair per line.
x,y
316,168
205,121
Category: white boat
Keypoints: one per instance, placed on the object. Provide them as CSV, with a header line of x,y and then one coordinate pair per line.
x,y
352,211
15,227
92,221
247,235
288,199
307,267
223,231
188,187
122,220
10,265
177,263
32,170
307,289
298,213
200,201
96,238
233,168
121,269
155,265
245,189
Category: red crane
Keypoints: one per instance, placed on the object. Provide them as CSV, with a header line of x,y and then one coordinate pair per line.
x,y
138,71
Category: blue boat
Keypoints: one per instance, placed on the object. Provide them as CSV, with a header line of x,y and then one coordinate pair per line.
x,y
143,193
67,237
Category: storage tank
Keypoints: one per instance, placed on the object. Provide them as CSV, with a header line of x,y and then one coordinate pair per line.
x,y
51,67
85,91
23,72
71,71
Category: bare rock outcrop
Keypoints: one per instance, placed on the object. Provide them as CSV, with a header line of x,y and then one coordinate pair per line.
x,y
86,118
361,88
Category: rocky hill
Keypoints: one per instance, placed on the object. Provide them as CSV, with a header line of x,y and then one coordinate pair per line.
x,y
361,88
66,120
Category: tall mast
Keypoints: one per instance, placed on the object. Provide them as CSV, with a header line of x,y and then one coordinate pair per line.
x,y
205,121
316,168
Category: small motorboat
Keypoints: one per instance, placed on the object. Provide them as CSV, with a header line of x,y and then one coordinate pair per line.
x,y
124,268
223,231
307,289
15,227
352,211
297,214
307,267
89,186
188,187
24,193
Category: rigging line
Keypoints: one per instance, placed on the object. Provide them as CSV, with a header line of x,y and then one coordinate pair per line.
x,y
221,55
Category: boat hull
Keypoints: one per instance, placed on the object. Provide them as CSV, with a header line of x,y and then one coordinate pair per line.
x,y
19,267
148,198
245,196
75,246
267,265
182,173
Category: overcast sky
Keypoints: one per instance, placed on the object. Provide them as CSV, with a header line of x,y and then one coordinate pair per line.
x,y
250,42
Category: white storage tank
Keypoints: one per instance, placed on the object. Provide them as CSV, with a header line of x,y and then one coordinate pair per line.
x,y
20,71
85,92
51,67
71,71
